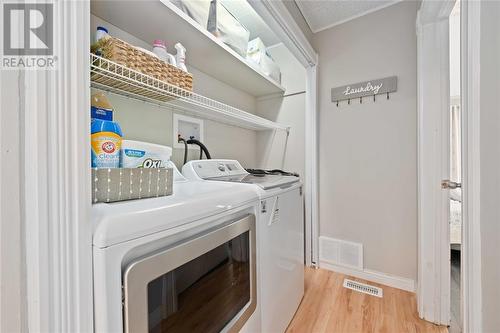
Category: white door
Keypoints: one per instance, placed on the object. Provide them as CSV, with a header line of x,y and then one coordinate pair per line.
x,y
433,162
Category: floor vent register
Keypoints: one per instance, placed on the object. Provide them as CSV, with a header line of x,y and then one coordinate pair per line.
x,y
363,288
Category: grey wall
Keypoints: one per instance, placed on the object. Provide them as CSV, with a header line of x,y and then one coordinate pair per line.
x,y
368,152
149,123
490,163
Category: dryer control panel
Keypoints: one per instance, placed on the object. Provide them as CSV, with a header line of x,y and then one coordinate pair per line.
x,y
205,169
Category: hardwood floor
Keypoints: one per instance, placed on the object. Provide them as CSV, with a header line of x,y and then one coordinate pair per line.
x,y
329,307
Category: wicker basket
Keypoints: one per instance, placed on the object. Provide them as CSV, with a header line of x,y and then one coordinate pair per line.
x,y
127,55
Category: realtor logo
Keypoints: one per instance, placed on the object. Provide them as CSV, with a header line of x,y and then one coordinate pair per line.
x,y
28,29
28,36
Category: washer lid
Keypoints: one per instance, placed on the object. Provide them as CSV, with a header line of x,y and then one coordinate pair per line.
x,y
266,182
191,200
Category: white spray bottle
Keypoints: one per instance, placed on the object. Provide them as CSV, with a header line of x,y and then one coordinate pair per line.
x,y
181,57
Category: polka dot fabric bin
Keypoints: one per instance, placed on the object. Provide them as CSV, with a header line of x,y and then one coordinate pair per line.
x,y
110,185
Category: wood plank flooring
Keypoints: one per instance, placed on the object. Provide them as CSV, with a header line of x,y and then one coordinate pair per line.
x,y
330,308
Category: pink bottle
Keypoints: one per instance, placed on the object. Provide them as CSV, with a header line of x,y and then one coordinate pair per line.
x,y
160,49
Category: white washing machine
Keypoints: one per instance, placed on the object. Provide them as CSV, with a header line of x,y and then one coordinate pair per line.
x,y
280,231
182,263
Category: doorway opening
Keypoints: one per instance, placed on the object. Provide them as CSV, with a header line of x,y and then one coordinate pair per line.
x,y
455,194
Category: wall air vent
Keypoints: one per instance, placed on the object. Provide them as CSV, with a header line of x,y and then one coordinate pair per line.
x,y
363,288
341,252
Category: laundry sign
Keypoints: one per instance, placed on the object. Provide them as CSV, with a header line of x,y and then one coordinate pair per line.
x,y
364,89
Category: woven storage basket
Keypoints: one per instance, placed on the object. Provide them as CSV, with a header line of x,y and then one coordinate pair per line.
x,y
131,57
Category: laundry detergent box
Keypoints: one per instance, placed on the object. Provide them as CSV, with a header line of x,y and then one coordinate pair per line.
x,y
137,154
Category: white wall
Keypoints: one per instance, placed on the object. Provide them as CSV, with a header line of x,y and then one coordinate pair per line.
x,y
368,152
276,149
150,123
12,261
490,163
146,122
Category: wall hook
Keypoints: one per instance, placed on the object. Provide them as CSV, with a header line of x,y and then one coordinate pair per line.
x,y
361,100
349,101
387,95
374,97
337,103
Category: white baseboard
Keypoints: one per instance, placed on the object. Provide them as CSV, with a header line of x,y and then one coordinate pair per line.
x,y
373,276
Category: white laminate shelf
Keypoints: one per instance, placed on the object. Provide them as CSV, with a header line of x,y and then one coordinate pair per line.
x,y
161,19
112,77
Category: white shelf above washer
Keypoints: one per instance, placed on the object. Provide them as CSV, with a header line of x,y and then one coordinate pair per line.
x,y
150,20
109,76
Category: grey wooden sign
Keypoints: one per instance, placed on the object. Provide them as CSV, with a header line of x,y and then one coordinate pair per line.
x,y
363,89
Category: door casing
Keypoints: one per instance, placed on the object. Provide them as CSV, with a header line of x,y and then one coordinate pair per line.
x,y
433,292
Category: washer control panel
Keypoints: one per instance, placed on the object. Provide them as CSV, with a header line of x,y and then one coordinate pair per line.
x,y
205,169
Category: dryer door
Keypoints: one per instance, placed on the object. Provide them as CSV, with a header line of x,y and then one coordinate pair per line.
x,y
205,284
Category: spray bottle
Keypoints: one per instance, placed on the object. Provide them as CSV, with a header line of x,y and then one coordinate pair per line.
x,y
101,32
160,49
181,57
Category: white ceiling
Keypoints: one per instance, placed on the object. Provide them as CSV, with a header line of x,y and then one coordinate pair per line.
x,y
324,14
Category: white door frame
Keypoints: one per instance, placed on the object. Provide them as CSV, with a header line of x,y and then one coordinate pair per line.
x,y
433,294
12,261
312,177
279,19
56,180
471,149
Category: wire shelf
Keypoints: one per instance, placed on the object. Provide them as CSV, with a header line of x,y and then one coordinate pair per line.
x,y
110,76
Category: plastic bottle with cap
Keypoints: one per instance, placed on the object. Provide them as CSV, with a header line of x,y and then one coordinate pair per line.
x,y
101,32
160,49
106,142
100,108
181,57
105,134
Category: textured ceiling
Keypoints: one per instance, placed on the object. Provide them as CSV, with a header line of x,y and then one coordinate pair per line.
x,y
323,14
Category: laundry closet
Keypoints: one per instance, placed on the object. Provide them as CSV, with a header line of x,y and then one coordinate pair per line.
x,y
199,224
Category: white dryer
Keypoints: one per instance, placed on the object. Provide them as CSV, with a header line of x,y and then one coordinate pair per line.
x,y
280,231
182,263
